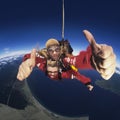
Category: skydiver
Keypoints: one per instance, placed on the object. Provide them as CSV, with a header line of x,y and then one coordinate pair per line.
x,y
54,73
97,56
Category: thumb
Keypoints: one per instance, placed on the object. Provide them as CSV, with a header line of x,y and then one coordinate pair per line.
x,y
33,57
92,42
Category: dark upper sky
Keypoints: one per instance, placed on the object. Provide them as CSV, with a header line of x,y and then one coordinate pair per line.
x,y
29,22
18,11
15,12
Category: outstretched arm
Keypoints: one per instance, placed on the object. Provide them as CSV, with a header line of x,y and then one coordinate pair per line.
x,y
103,57
85,80
27,66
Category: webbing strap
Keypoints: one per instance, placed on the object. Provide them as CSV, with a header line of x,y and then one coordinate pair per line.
x,y
63,19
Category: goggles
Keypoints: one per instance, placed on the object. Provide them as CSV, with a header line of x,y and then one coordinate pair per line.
x,y
53,49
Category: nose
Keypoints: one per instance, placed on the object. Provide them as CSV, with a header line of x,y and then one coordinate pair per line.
x,y
54,52
52,73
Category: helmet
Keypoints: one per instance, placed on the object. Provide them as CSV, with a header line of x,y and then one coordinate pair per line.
x,y
51,42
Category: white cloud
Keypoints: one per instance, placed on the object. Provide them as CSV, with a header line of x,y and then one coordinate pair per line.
x,y
10,57
14,53
6,50
117,70
118,64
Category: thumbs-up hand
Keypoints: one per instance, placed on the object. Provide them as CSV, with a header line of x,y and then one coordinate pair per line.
x,y
103,58
27,66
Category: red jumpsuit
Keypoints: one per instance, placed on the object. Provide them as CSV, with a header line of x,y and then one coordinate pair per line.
x,y
71,74
81,61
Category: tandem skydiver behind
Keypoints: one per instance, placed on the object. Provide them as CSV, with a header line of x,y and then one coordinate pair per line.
x,y
97,56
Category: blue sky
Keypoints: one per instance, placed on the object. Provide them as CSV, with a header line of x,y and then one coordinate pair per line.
x,y
26,23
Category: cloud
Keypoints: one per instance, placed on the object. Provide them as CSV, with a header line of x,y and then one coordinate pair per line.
x,y
117,70
11,56
13,53
6,50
